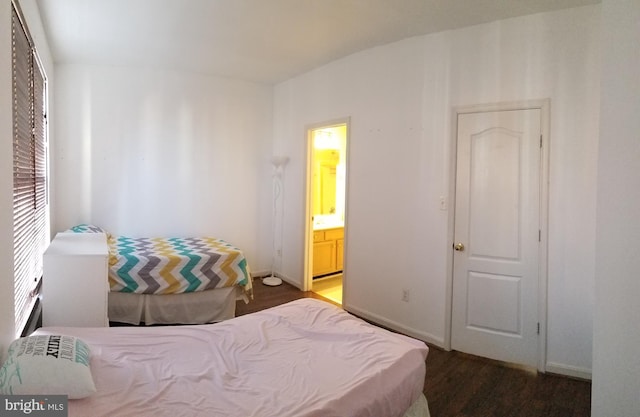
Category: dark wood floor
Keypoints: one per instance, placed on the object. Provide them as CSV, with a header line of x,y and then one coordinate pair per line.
x,y
461,385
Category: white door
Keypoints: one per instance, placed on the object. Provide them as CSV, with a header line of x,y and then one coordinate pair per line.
x,y
496,235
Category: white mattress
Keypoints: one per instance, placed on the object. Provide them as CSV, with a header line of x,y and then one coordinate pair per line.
x,y
304,358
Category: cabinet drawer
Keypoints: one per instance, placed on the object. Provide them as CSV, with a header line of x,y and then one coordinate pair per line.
x,y
318,235
334,234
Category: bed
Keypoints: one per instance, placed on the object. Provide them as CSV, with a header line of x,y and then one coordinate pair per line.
x,y
304,358
173,280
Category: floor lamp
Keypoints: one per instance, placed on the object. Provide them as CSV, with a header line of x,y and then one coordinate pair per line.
x,y
278,163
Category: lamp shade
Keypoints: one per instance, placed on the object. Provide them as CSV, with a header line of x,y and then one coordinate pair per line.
x,y
279,161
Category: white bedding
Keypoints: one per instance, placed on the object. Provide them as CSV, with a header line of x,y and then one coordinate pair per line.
x,y
304,358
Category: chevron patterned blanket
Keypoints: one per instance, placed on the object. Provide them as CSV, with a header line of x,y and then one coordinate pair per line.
x,y
172,265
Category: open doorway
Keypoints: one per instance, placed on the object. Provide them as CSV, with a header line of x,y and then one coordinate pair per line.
x,y
326,209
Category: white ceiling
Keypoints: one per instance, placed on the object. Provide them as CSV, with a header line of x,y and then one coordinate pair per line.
x,y
256,40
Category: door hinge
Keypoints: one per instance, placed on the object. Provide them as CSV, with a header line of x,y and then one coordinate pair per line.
x,y
538,328
540,141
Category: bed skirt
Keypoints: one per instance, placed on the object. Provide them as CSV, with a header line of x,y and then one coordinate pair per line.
x,y
186,308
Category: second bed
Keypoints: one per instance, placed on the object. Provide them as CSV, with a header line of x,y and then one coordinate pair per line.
x,y
173,280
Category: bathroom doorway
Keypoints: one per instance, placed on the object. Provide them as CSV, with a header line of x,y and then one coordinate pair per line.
x,y
326,209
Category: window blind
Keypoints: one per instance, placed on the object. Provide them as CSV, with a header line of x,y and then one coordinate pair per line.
x,y
29,170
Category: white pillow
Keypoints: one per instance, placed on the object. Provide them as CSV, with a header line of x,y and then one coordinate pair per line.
x,y
47,365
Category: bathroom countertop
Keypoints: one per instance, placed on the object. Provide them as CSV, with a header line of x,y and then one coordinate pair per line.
x,y
329,225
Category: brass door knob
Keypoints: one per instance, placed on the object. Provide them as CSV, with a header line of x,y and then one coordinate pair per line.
x,y
459,247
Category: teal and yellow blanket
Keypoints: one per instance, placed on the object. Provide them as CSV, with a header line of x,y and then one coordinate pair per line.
x,y
173,265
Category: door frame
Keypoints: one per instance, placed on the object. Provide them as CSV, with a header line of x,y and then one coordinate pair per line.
x,y
544,106
307,281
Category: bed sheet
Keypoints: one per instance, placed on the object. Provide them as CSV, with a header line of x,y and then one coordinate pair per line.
x,y
305,358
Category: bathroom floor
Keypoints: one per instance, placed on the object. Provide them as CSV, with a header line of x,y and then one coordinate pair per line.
x,y
330,288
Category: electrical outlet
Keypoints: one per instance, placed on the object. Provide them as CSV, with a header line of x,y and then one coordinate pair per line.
x,y
405,295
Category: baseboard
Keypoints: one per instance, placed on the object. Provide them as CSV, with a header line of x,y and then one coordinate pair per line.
x,y
424,336
568,370
260,274
264,274
288,280
393,325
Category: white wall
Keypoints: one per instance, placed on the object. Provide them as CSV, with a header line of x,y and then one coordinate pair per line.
x,y
616,363
145,152
400,98
32,16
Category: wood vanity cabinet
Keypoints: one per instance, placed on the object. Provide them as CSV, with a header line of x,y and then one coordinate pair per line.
x,y
340,254
328,251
